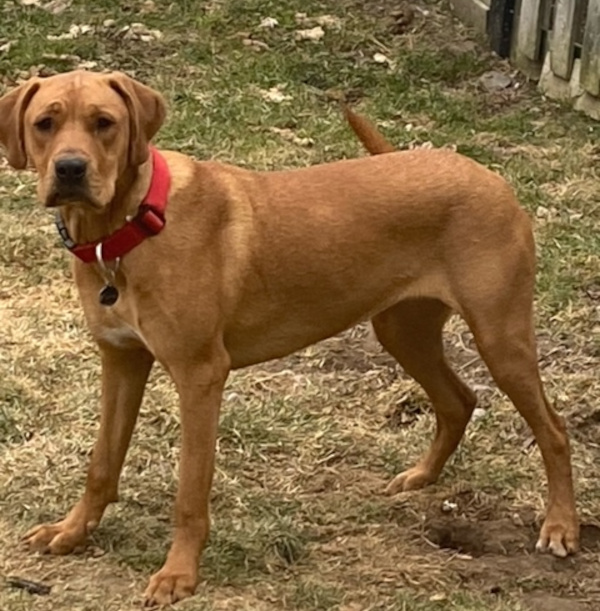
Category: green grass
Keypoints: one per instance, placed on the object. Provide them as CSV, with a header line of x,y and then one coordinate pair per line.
x,y
306,444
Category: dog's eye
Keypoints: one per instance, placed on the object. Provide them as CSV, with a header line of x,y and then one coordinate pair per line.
x,y
45,124
104,123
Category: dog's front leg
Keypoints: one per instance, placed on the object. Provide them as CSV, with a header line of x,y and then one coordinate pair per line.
x,y
124,376
200,387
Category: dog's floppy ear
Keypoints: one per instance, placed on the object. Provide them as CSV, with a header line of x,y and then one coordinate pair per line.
x,y
147,111
12,110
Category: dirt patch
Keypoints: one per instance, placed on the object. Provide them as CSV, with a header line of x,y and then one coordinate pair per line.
x,y
545,602
590,537
492,547
479,538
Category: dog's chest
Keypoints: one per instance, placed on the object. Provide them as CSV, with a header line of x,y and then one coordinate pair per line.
x,y
121,335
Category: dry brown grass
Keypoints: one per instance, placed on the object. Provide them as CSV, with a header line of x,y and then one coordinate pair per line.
x,y
307,443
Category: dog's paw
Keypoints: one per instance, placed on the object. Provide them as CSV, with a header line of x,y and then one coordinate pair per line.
x,y
412,479
60,538
168,586
559,536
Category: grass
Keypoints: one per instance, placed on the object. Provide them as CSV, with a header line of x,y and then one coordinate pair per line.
x,y
306,443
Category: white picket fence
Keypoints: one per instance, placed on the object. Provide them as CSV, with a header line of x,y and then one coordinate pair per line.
x,y
558,41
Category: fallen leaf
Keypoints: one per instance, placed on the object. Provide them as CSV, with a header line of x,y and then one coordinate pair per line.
x,y
437,598
315,34
148,7
257,45
65,57
329,21
139,31
75,31
325,21
268,22
478,413
290,136
87,65
449,506
74,59
56,7
275,95
301,19
542,212
380,58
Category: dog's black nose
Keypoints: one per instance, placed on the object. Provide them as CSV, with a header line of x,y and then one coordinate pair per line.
x,y
70,170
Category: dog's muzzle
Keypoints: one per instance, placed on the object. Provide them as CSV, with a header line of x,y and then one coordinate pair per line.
x,y
70,172
70,181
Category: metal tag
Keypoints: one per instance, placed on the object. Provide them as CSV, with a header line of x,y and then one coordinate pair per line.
x,y
109,295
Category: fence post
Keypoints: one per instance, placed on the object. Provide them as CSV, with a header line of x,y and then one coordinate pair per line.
x,y
590,53
529,28
566,19
500,25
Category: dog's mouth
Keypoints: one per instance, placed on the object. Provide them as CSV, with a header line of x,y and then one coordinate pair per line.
x,y
71,196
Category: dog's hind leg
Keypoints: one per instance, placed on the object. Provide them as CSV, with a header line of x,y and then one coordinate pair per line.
x,y
501,320
411,331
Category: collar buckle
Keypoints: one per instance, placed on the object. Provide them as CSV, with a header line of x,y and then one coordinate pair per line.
x,y
149,220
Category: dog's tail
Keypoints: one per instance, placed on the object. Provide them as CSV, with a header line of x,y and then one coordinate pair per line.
x,y
367,133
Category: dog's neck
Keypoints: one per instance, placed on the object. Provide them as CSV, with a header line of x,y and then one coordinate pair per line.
x,y
86,225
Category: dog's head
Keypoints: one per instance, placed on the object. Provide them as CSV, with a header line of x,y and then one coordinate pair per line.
x,y
81,131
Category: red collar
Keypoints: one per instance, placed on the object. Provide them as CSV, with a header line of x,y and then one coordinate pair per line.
x,y
149,220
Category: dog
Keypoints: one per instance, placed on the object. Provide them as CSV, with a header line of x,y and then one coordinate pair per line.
x,y
206,267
